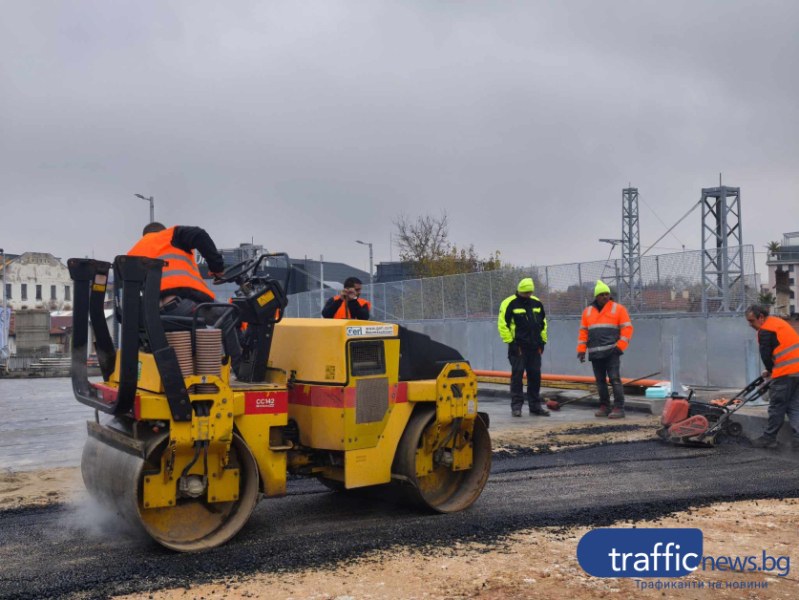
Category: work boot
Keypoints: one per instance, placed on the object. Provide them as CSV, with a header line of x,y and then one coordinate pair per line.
x,y
764,442
604,411
517,412
616,413
539,411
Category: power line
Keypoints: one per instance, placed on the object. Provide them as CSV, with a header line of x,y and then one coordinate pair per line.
x,y
693,208
661,221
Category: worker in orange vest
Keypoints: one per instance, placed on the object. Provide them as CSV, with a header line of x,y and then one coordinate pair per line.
x,y
348,304
182,286
605,332
779,351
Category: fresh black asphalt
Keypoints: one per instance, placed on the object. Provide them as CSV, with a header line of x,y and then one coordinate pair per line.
x,y
77,551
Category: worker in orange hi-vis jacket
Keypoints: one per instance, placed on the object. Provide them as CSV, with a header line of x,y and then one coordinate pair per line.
x,y
605,332
779,351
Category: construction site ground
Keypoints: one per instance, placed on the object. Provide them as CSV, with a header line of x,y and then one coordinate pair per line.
x,y
41,468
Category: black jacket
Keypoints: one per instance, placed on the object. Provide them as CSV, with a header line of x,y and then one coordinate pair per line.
x,y
189,239
768,342
525,322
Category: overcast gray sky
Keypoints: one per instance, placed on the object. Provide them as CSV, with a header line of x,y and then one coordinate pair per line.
x,y
307,125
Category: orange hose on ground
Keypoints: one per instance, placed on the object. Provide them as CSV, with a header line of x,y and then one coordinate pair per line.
x,y
570,378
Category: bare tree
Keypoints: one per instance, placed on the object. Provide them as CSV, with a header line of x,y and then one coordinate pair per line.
x,y
423,240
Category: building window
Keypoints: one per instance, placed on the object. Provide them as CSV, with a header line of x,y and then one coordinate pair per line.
x,y
66,293
24,291
8,291
52,292
38,292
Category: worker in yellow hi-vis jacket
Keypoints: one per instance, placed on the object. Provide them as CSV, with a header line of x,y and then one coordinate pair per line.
x,y
522,325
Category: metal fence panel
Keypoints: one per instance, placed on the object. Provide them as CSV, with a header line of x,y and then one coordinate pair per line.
x,y
670,283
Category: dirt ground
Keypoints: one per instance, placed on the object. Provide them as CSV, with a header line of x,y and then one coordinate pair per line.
x,y
539,563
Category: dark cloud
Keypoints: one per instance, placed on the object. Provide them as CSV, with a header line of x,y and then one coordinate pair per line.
x,y
306,126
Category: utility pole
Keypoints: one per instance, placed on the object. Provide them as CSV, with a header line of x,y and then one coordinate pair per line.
x,y
151,200
631,250
722,250
371,278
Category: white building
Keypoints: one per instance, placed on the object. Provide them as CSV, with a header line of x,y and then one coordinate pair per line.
x,y
37,280
783,273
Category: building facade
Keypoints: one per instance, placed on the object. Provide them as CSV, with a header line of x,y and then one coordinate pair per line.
x,y
783,271
37,280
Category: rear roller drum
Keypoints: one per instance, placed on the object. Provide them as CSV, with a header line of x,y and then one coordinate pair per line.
x,y
116,478
443,490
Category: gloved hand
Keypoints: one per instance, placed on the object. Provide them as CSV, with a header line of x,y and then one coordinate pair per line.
x,y
514,349
581,356
617,351
216,275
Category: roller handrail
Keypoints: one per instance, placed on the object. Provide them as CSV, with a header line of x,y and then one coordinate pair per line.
x,y
90,279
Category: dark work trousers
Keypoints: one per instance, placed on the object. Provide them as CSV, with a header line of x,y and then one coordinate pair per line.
x,y
520,361
230,336
783,399
608,368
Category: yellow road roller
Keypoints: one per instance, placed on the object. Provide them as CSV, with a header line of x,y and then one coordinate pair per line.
x,y
184,447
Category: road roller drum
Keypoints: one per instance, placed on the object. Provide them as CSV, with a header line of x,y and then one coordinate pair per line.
x,y
184,448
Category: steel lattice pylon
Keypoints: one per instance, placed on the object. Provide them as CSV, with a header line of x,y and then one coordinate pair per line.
x,y
630,283
722,255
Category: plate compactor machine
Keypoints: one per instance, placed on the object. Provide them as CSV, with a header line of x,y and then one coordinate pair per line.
x,y
184,449
687,422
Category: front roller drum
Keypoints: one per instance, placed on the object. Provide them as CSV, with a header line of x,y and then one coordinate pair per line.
x,y
115,478
443,490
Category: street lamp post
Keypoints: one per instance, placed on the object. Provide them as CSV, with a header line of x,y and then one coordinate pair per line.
x,y
371,280
151,200
3,264
613,243
4,317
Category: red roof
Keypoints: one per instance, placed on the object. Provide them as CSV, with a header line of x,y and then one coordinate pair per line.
x,y
58,325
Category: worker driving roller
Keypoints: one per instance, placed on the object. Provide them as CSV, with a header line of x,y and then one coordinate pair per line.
x,y
182,286
348,304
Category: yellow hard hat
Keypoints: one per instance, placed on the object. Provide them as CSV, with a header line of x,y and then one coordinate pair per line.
x,y
526,285
601,288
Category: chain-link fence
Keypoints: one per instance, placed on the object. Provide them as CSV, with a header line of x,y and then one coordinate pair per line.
x,y
672,283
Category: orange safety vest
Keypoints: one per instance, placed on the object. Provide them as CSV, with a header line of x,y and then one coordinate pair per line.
x,y
343,311
603,330
181,269
786,354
